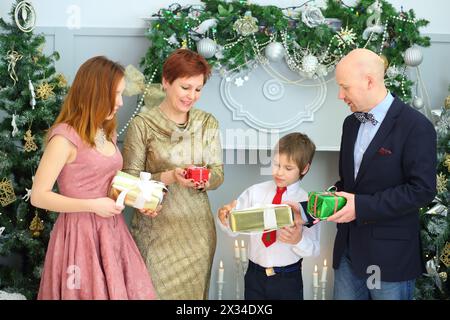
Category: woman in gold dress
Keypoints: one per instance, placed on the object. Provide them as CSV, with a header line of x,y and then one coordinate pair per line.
x,y
178,245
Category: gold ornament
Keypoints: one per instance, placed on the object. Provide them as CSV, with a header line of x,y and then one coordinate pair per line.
x,y
346,37
7,195
443,276
445,255
447,161
62,82
30,145
44,91
36,226
184,44
246,25
13,57
441,185
385,61
447,102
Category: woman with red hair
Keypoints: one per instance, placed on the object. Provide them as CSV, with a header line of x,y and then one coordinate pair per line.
x,y
91,254
178,245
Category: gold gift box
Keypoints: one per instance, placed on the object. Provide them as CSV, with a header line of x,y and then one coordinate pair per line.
x,y
124,181
252,220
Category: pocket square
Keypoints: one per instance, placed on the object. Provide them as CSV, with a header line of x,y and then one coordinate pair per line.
x,y
384,151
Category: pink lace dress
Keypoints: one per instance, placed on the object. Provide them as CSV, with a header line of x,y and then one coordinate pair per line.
x,y
90,257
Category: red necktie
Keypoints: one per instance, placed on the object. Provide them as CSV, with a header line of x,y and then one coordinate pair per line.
x,y
270,237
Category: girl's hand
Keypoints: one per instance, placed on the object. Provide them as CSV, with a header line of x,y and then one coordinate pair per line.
x,y
105,207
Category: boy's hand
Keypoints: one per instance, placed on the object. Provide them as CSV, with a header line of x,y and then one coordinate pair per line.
x,y
292,235
295,206
224,212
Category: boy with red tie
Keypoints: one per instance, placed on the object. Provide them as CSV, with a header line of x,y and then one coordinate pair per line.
x,y
275,258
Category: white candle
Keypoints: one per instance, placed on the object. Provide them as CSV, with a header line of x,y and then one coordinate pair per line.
x,y
315,277
236,249
243,252
324,271
221,270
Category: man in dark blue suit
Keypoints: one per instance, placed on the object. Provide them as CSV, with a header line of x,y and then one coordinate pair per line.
x,y
387,171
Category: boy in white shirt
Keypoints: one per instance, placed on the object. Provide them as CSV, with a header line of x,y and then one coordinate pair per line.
x,y
275,258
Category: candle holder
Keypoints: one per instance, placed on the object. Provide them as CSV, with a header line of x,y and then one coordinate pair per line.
x,y
324,290
219,289
315,292
244,266
237,276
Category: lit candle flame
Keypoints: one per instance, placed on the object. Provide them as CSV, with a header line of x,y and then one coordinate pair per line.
x,y
221,264
315,268
242,244
325,262
236,243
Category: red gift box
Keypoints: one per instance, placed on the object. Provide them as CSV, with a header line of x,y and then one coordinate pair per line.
x,y
197,173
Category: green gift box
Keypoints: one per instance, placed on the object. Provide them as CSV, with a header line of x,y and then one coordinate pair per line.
x,y
269,217
324,204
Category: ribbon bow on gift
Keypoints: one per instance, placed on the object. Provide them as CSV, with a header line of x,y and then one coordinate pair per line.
x,y
144,184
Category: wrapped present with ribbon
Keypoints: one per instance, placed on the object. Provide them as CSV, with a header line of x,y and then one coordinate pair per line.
x,y
140,193
259,219
324,204
197,173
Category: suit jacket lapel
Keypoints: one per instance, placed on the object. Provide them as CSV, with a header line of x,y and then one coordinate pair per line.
x,y
379,138
349,145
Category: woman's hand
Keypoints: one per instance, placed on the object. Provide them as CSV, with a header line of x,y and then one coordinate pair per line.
x,y
151,213
105,207
179,175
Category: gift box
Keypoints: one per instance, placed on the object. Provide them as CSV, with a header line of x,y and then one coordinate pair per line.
x,y
265,218
324,204
139,193
198,174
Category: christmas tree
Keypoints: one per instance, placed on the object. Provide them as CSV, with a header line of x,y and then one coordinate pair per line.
x,y
26,114
435,231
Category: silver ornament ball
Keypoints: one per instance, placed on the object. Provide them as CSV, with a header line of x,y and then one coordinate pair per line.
x,y
310,63
413,56
207,48
274,51
417,102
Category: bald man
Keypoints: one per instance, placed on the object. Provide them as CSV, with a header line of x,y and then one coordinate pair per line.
x,y
387,170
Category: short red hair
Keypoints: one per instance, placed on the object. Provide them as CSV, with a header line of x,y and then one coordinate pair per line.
x,y
185,63
91,99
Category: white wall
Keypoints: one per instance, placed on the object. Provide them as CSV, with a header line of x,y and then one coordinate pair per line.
x,y
129,14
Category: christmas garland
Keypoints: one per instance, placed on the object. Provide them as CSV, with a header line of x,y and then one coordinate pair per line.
x,y
236,35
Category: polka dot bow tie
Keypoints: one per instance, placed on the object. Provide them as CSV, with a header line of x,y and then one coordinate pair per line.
x,y
363,117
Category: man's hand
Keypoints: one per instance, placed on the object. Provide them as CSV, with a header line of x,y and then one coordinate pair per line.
x,y
224,212
347,213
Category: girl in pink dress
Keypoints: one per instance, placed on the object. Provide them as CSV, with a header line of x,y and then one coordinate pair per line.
x,y
91,254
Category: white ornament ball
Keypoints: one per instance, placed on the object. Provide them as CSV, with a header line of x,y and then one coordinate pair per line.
x,y
310,63
322,71
207,48
413,56
417,102
274,51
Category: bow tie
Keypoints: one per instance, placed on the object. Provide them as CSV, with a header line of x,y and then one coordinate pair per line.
x,y
363,117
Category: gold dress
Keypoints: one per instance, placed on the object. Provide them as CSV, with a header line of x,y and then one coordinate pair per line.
x,y
178,245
